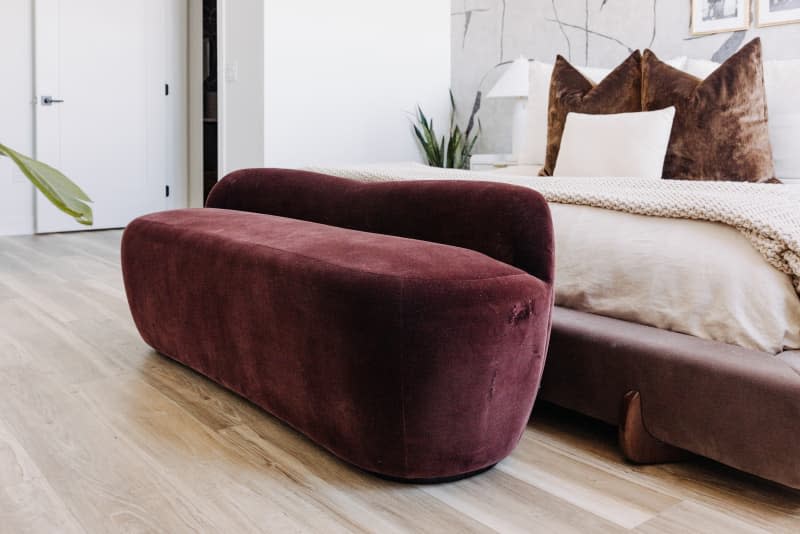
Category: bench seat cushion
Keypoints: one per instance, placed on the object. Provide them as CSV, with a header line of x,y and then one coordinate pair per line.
x,y
407,358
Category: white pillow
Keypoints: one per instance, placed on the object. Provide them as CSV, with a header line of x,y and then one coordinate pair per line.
x,y
782,83
617,145
533,152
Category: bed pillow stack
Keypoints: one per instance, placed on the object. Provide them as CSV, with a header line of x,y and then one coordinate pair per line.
x,y
720,130
541,74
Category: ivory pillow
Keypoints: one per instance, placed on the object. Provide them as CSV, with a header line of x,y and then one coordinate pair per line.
x,y
616,145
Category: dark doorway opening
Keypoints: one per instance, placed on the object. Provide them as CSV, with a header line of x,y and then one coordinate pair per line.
x,y
210,122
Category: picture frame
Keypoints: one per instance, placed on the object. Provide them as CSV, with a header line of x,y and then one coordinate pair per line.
x,y
775,12
720,16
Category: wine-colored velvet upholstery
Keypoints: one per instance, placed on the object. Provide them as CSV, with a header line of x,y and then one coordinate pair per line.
x,y
412,358
510,224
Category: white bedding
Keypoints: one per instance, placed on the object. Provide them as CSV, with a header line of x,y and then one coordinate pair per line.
x,y
699,278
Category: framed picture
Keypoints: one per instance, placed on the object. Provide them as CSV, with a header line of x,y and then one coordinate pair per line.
x,y
717,16
773,12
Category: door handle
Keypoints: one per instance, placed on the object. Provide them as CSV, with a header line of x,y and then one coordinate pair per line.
x,y
49,101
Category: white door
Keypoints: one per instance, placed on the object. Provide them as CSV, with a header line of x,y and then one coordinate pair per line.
x,y
103,115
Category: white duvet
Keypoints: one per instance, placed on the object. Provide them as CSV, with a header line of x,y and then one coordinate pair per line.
x,y
699,278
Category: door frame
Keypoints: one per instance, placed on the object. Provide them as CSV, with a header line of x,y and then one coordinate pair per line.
x,y
179,130
195,103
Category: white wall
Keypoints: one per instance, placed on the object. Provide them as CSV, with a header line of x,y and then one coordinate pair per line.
x,y
339,80
16,113
177,73
241,83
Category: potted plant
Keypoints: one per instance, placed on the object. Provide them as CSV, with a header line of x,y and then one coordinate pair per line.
x,y
57,188
453,151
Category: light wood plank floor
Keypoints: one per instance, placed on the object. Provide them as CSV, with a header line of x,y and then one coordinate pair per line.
x,y
98,433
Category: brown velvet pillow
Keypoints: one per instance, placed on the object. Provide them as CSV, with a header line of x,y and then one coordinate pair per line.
x,y
570,91
720,130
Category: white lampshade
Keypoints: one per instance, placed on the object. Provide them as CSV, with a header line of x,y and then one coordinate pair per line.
x,y
515,81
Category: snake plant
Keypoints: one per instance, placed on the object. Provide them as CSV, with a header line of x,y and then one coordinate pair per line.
x,y
453,151
56,187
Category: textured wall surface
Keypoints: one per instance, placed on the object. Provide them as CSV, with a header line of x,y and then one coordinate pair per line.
x,y
598,33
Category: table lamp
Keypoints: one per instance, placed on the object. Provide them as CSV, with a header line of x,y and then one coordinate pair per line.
x,y
515,83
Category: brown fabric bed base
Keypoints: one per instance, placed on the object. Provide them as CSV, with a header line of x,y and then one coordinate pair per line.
x,y
737,406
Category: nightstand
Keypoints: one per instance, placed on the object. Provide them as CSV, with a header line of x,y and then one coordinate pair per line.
x,y
490,162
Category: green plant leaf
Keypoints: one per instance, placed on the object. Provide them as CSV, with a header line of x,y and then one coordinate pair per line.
x,y
57,188
471,146
425,146
430,138
452,111
433,139
462,157
455,148
423,119
476,107
422,143
451,150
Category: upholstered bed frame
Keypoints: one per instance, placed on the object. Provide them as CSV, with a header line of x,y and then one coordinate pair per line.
x,y
670,393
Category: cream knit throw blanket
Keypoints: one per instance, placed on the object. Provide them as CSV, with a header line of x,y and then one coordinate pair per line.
x,y
767,214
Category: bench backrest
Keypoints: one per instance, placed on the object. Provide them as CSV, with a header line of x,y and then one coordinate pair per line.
x,y
508,223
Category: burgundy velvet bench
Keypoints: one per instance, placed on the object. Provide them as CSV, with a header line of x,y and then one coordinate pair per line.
x,y
402,326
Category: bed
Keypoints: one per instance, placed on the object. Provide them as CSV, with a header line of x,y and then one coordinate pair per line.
x,y
678,315
676,330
